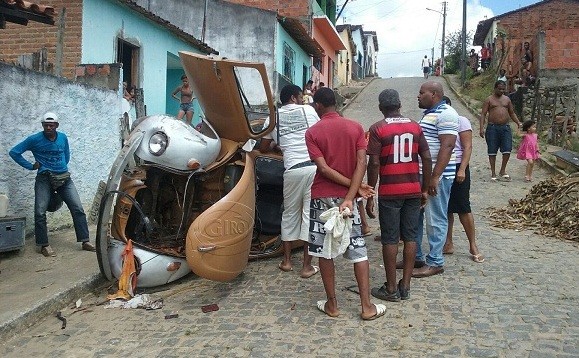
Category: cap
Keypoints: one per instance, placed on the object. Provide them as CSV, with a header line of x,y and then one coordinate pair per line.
x,y
49,117
389,98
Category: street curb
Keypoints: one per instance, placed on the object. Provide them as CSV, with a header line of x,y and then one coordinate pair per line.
x,y
356,95
48,306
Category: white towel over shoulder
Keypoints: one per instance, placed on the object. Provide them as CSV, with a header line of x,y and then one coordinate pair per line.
x,y
338,228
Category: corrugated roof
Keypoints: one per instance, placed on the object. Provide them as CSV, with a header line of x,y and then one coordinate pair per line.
x,y
20,12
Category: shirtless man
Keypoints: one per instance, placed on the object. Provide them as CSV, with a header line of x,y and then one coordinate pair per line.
x,y
498,132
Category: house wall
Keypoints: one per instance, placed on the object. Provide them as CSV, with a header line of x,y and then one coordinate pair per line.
x,y
370,56
301,58
554,18
19,40
344,62
357,36
326,75
301,9
562,49
106,20
254,36
88,115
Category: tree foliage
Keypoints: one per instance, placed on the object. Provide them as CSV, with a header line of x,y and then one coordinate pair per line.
x,y
453,45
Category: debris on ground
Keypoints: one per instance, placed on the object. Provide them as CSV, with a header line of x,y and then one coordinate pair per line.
x,y
144,300
61,318
210,308
550,208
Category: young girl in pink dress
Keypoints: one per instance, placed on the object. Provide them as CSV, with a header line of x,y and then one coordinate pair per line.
x,y
529,147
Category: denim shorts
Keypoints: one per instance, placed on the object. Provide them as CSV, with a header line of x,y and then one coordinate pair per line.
x,y
499,136
187,107
399,219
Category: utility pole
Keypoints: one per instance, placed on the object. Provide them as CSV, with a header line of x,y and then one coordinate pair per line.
x,y
463,46
443,38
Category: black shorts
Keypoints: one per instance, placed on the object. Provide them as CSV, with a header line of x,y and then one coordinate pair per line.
x,y
459,201
399,219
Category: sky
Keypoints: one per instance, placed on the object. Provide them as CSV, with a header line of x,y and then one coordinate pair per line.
x,y
407,31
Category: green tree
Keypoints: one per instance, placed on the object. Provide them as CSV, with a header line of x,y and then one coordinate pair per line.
x,y
453,46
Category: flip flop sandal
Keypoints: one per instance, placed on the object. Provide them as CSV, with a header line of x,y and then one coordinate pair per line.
x,y
322,307
506,177
478,258
310,274
380,311
284,269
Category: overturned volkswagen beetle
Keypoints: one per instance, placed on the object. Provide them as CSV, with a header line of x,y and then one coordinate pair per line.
x,y
196,199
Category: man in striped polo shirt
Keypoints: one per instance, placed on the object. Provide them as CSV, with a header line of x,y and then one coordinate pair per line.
x,y
395,144
440,126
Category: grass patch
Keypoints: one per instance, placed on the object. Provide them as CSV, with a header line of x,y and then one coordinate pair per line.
x,y
480,87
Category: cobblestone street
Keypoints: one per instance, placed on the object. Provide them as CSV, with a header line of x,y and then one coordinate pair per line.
x,y
523,301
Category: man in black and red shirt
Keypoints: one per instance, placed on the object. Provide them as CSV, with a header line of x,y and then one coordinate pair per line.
x,y
395,144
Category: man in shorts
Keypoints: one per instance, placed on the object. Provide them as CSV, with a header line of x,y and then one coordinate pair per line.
x,y
338,147
395,144
498,132
293,120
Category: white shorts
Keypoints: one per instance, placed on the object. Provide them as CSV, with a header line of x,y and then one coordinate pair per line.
x,y
295,220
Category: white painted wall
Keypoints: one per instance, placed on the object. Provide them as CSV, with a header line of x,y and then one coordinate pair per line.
x,y
89,116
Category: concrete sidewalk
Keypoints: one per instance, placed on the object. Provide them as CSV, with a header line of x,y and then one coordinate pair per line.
x,y
33,286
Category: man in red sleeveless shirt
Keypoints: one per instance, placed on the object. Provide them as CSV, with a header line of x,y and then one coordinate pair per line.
x,y
395,144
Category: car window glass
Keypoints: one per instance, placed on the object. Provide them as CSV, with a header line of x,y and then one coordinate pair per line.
x,y
253,96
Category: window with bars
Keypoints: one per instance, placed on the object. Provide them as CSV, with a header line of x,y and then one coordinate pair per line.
x,y
288,62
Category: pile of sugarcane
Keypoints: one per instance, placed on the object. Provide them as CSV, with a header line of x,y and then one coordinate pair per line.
x,y
550,208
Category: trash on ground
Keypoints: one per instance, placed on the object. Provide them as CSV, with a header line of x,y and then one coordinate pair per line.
x,y
209,308
78,303
60,317
144,300
171,315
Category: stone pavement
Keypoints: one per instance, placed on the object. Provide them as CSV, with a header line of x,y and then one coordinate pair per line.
x,y
522,301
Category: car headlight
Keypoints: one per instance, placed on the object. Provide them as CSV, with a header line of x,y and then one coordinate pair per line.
x,y
158,143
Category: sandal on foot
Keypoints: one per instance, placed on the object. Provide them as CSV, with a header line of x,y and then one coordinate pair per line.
x,y
310,274
284,269
380,311
322,307
506,177
478,258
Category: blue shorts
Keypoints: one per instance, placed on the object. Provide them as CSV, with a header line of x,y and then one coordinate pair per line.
x,y
499,136
187,107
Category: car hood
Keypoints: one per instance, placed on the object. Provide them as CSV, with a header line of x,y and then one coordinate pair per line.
x,y
220,95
